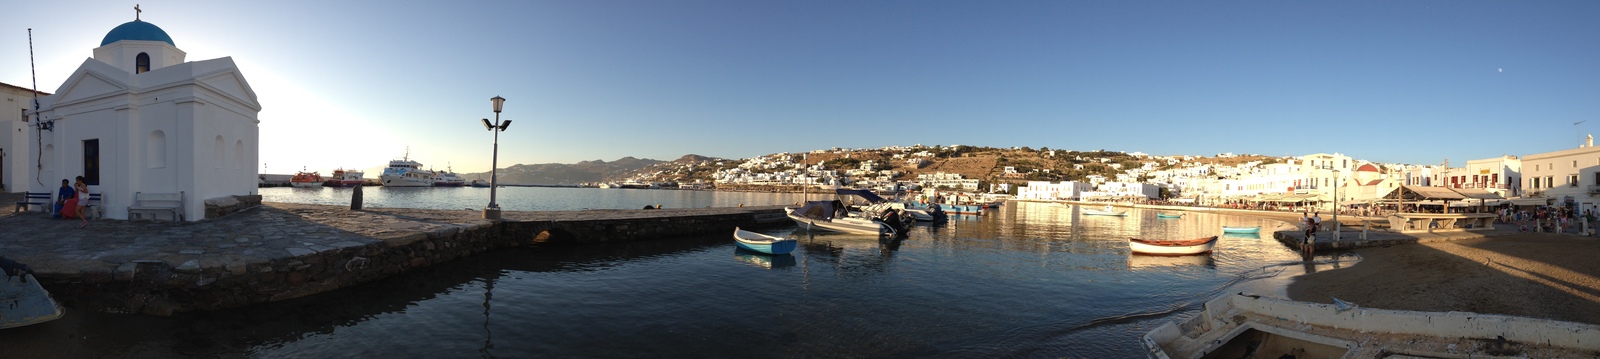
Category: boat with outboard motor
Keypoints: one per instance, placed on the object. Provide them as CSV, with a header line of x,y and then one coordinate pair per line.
x,y
878,216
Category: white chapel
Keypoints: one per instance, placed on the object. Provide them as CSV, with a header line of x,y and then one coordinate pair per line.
x,y
137,118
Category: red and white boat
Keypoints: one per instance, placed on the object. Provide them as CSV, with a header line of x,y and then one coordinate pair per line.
x,y
344,178
305,179
1172,248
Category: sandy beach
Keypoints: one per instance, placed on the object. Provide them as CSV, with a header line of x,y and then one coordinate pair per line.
x,y
1532,275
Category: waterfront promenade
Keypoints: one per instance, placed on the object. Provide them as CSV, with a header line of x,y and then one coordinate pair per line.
x,y
1354,231
279,251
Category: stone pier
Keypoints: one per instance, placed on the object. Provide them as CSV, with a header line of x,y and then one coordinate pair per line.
x,y
279,251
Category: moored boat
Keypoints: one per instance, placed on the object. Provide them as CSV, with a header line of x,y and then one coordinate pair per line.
x,y
1172,248
1228,229
448,179
878,217
478,183
1107,211
763,243
1166,215
964,209
344,178
305,179
22,300
406,173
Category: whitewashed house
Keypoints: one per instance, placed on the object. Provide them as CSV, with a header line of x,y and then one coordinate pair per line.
x,y
137,118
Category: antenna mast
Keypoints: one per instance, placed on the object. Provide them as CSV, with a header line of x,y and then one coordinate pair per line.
x,y
33,70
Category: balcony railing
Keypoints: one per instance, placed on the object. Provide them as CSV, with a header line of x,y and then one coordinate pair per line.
x,y
1594,189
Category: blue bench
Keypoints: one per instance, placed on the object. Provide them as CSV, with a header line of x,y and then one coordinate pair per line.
x,y
41,199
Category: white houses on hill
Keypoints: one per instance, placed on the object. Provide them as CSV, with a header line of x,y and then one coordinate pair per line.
x,y
137,118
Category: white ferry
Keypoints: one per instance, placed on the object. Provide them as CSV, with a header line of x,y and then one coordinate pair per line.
x,y
448,179
406,173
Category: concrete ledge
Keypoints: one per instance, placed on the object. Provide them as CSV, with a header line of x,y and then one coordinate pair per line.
x,y
282,251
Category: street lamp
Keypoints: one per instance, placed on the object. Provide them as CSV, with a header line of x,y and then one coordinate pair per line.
x,y
492,211
1336,205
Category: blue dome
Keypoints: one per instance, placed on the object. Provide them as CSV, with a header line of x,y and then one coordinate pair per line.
x,y
137,30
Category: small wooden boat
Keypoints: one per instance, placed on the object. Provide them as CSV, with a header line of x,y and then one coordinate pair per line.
x,y
1227,229
1164,215
763,243
1172,248
1099,212
22,300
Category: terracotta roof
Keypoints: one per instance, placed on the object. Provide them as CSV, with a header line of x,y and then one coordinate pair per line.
x,y
1367,168
41,93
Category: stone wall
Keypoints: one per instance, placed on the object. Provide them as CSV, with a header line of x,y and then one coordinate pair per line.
x,y
222,206
162,288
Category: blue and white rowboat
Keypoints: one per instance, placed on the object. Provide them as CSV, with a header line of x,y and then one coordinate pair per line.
x,y
763,243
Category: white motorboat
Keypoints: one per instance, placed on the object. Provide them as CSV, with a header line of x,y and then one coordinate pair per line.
x,y
845,224
878,216
22,300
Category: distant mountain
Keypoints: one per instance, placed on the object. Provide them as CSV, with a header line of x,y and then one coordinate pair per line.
x,y
560,173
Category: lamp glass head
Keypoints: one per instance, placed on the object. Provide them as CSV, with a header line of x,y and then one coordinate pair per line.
x,y
498,102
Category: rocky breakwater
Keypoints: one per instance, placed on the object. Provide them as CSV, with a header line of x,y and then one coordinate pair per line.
x,y
280,251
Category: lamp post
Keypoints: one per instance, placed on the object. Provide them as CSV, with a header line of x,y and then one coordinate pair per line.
x,y
1336,205
492,211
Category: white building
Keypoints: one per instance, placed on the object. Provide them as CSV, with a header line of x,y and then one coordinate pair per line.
x,y
1569,177
1129,189
137,118
1045,190
15,156
1501,175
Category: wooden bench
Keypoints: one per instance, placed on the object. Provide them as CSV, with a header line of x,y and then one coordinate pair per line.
x,y
41,199
157,203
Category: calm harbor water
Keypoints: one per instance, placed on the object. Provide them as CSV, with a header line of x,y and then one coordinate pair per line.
x,y
1025,280
527,198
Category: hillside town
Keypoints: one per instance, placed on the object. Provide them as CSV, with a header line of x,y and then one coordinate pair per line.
x,y
1565,178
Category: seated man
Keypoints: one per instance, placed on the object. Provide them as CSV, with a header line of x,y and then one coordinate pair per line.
x,y
62,195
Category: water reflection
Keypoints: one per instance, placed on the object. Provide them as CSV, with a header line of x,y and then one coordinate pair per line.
x,y
1253,235
1143,262
763,260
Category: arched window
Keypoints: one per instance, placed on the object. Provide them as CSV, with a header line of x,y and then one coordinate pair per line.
x,y
216,153
49,158
238,154
141,63
155,149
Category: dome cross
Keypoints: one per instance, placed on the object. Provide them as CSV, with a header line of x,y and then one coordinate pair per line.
x,y
136,12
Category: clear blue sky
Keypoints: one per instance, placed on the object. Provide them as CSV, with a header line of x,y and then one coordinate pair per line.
x,y
1406,81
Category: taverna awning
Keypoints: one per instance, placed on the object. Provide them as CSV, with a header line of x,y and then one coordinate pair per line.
x,y
1476,193
1532,201
1419,193
1437,196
